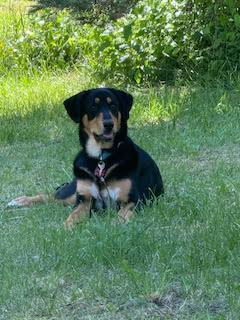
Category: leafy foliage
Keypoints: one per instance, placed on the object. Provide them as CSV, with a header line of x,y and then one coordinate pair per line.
x,y
46,40
156,41
162,40
146,45
215,34
114,8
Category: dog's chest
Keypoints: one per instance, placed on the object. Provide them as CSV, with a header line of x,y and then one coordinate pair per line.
x,y
107,197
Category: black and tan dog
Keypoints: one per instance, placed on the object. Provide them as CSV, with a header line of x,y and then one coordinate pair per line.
x,y
110,170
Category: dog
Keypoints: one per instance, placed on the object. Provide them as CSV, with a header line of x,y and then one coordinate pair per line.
x,y
110,170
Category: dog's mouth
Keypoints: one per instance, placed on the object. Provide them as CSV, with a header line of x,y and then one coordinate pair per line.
x,y
105,137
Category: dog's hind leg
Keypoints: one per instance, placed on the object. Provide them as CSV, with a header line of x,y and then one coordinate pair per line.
x,y
65,194
26,201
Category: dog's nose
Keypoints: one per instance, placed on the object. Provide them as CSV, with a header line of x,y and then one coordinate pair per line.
x,y
108,125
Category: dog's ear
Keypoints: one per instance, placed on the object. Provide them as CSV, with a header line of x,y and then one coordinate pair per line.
x,y
125,99
75,106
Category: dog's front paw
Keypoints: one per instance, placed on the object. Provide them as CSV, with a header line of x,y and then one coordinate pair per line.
x,y
23,201
79,214
125,214
69,224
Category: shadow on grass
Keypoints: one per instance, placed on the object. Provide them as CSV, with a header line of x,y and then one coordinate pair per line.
x,y
102,6
74,4
38,125
201,111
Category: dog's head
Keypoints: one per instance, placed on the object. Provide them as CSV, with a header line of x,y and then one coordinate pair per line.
x,y
101,113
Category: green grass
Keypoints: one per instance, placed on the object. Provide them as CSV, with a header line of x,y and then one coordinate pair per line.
x,y
178,259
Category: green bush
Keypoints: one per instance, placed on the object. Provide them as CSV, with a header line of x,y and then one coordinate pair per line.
x,y
149,44
158,40
114,8
215,33
48,39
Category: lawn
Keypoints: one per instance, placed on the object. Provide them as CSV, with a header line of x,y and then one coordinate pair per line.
x,y
178,259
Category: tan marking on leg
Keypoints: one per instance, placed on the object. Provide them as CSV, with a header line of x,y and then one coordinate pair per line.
x,y
87,188
78,215
123,186
26,201
126,213
69,201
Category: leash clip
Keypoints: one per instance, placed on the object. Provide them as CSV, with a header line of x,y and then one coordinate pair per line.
x,y
99,171
101,166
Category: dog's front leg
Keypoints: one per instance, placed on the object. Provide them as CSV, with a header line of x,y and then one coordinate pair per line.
x,y
121,191
86,191
126,212
79,214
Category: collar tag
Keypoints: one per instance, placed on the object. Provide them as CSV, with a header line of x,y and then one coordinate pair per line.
x,y
99,171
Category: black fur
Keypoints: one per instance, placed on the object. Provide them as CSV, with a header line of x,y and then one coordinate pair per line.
x,y
133,162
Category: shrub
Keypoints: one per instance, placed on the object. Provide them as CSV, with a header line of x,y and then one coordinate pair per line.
x,y
114,8
47,39
147,45
162,39
215,34
157,41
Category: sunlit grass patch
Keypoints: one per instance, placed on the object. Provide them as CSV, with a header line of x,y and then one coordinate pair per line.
x,y
177,257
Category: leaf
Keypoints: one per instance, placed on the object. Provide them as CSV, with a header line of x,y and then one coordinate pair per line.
x,y
237,20
138,76
124,58
127,31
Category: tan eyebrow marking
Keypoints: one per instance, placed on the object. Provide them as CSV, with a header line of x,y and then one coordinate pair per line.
x,y
97,100
109,100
